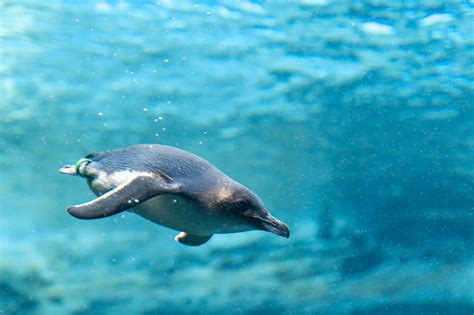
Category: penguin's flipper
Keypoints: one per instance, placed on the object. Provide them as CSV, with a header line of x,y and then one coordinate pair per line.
x,y
124,197
192,240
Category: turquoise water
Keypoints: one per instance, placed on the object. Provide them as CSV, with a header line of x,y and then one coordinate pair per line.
x,y
352,120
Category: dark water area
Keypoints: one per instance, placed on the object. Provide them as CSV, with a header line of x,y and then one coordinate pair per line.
x,y
352,120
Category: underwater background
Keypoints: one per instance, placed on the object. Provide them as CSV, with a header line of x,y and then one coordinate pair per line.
x,y
352,120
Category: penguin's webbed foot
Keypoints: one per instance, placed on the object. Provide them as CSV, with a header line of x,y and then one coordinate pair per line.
x,y
192,240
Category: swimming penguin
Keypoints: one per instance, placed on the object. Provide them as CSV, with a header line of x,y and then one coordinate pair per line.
x,y
173,188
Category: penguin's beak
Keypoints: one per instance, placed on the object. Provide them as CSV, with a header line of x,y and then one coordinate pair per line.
x,y
68,169
273,225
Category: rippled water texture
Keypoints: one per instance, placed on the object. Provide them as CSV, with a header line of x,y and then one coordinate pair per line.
x,y
353,120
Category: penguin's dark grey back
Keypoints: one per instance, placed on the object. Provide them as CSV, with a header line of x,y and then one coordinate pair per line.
x,y
173,162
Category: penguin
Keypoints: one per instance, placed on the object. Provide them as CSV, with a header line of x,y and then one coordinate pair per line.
x,y
173,188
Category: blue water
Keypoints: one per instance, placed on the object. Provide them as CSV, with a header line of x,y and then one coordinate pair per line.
x,y
352,120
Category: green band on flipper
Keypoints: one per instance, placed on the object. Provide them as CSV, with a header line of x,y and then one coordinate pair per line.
x,y
78,164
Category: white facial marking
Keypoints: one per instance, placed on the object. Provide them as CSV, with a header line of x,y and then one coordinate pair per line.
x,y
224,193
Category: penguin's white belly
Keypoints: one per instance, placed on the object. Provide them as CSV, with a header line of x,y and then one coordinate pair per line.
x,y
178,213
172,211
181,214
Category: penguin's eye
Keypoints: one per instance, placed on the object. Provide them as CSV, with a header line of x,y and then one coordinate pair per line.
x,y
235,206
242,205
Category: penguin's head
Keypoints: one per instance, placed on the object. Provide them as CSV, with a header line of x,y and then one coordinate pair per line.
x,y
246,207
